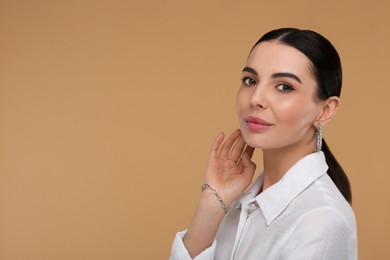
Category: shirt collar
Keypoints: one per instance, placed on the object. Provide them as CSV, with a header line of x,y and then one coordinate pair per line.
x,y
277,197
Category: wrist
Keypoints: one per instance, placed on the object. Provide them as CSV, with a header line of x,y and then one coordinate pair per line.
x,y
206,188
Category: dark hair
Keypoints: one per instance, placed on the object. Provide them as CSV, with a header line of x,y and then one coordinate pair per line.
x,y
326,66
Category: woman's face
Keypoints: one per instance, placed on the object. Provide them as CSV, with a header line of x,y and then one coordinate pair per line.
x,y
276,102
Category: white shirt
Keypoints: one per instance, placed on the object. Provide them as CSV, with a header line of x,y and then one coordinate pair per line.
x,y
303,216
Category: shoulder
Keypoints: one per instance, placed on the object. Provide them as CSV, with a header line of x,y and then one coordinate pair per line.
x,y
324,223
322,233
323,201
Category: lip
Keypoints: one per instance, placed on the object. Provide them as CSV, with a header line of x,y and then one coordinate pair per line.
x,y
256,123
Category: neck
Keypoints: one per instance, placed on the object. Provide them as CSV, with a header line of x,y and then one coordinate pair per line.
x,y
278,161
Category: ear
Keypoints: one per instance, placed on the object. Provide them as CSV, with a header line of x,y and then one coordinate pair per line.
x,y
329,108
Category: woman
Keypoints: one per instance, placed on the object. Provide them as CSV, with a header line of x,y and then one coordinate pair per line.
x,y
299,206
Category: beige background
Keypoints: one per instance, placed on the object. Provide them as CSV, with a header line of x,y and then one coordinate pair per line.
x,y
108,108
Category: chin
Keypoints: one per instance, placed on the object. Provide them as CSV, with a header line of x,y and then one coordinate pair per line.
x,y
262,141
252,141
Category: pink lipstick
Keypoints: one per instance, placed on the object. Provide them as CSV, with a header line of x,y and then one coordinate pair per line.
x,y
256,123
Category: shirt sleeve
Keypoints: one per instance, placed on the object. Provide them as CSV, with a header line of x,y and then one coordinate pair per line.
x,y
322,235
179,251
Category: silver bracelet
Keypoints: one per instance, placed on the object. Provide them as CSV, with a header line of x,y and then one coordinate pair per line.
x,y
223,205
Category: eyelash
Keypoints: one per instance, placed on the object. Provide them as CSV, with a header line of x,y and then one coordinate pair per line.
x,y
247,81
250,83
288,87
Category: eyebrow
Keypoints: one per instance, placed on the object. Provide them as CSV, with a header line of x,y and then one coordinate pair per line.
x,y
250,70
275,75
286,75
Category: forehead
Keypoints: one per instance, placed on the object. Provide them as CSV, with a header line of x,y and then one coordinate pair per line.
x,y
273,57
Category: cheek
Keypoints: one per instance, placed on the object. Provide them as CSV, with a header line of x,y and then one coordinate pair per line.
x,y
294,112
241,101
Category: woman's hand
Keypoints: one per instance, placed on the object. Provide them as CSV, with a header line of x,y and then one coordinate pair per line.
x,y
230,169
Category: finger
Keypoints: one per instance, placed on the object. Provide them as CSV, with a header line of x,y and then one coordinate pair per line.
x,y
247,163
225,149
237,149
249,151
216,144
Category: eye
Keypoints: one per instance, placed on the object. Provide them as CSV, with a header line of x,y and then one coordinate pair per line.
x,y
248,81
284,87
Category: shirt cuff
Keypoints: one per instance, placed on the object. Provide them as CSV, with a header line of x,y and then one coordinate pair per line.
x,y
179,251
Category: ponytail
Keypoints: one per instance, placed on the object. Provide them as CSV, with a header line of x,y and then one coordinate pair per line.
x,y
337,173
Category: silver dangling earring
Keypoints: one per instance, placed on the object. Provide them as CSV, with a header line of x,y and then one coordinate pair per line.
x,y
319,137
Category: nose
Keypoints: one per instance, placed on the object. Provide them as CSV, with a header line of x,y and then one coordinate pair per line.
x,y
258,97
